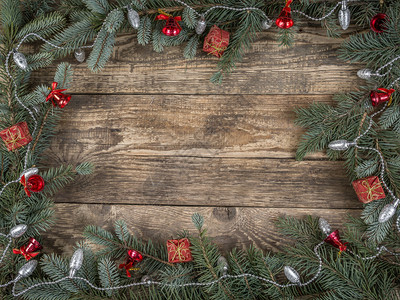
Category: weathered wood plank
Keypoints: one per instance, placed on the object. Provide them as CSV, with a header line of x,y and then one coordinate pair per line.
x,y
228,226
183,125
122,178
310,67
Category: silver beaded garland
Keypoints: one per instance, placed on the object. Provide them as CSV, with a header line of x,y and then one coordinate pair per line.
x,y
340,145
364,73
76,262
20,60
386,213
133,18
324,226
147,279
28,173
344,16
80,55
27,269
201,25
18,231
291,274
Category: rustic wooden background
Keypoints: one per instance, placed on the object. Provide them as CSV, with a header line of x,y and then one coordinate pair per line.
x,y
167,143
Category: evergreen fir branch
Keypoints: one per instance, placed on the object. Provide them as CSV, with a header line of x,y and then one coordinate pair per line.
x,y
97,6
102,50
144,31
114,20
108,274
189,18
191,48
63,75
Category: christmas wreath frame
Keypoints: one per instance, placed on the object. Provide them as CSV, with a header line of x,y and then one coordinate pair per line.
x,y
32,182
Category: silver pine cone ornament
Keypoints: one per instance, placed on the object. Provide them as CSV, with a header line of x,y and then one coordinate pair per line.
x,y
344,16
20,60
133,18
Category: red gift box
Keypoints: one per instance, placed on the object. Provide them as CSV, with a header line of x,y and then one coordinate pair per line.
x,y
16,136
179,251
216,41
368,189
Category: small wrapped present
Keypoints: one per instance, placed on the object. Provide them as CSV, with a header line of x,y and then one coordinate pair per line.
x,y
179,251
16,136
369,189
216,41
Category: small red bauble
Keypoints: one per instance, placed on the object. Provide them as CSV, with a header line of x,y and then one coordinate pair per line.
x,y
28,250
377,23
171,28
380,96
285,20
35,183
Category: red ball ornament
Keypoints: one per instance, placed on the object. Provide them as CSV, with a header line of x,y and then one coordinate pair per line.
x,y
378,23
171,28
34,183
380,96
132,258
285,20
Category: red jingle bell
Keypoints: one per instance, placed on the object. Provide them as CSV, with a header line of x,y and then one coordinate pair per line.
x,y
378,23
381,95
57,97
171,28
34,183
132,258
285,20
334,240
28,250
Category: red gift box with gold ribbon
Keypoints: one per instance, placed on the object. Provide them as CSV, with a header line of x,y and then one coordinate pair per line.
x,y
369,189
16,136
216,41
179,251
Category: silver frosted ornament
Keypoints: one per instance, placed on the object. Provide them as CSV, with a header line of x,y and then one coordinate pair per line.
x,y
18,231
224,264
292,275
26,270
133,18
364,73
201,25
386,213
266,24
344,16
28,173
76,262
324,226
340,145
20,60
80,55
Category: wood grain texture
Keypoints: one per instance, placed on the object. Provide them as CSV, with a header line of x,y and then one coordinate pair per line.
x,y
167,143
229,226
310,67
184,125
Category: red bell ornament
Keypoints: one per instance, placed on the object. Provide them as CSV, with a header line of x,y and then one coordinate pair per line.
x,y
57,97
334,240
172,27
285,20
28,250
132,258
380,96
378,23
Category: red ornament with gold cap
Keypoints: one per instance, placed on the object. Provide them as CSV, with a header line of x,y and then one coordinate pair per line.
x,y
132,259
29,250
172,27
285,20
381,95
57,97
